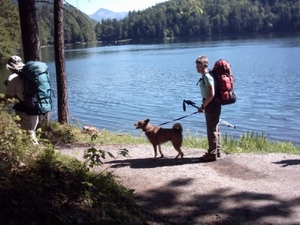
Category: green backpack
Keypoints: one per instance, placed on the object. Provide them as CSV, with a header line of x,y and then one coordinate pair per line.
x,y
37,89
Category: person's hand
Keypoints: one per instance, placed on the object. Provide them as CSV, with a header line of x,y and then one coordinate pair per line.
x,y
201,109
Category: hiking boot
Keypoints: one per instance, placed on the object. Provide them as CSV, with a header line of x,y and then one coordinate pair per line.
x,y
218,154
208,158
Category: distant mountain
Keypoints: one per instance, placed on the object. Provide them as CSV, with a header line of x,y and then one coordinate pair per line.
x,y
107,14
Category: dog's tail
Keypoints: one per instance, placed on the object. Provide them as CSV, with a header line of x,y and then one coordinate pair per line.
x,y
178,127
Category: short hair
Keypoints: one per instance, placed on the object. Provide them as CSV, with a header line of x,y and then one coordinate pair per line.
x,y
202,60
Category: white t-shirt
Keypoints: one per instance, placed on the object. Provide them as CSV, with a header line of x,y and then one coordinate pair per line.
x,y
15,86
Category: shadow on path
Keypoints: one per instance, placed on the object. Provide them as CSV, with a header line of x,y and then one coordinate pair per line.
x,y
288,162
151,163
220,206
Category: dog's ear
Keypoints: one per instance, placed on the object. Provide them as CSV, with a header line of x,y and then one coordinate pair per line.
x,y
147,121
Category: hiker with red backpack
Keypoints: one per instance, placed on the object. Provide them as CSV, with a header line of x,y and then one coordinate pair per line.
x,y
212,110
216,89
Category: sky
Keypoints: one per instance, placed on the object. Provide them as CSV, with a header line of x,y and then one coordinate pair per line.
x,y
91,6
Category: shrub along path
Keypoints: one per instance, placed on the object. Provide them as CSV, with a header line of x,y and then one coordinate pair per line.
x,y
237,189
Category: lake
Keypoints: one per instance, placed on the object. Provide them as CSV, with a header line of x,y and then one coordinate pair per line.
x,y
111,87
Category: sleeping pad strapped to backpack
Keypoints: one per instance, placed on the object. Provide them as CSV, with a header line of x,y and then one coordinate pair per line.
x,y
37,89
224,82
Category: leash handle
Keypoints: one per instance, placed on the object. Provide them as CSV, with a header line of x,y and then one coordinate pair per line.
x,y
189,102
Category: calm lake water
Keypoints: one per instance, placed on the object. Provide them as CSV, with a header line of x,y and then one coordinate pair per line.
x,y
111,87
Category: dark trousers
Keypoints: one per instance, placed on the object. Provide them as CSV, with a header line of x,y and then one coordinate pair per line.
x,y
212,117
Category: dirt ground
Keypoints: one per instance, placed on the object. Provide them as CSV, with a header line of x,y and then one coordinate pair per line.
x,y
236,189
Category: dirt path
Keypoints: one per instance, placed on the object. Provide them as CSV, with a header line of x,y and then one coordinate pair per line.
x,y
237,189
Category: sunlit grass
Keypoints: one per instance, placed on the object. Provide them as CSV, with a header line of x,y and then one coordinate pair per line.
x,y
256,143
246,143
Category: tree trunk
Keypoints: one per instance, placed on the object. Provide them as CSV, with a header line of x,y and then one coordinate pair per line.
x,y
62,96
30,37
30,31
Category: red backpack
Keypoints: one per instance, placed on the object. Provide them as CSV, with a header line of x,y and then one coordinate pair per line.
x,y
224,82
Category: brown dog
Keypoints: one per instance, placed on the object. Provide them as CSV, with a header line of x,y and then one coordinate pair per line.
x,y
157,136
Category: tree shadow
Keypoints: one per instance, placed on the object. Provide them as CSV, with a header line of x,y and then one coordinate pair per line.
x,y
288,162
220,206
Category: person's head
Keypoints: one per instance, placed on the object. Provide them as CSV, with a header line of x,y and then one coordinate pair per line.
x,y
14,63
201,64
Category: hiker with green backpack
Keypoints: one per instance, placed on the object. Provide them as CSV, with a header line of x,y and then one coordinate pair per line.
x,y
30,84
14,89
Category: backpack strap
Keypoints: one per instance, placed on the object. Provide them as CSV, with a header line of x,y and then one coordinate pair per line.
x,y
199,81
202,78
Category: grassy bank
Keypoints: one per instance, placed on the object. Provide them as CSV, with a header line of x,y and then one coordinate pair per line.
x,y
247,143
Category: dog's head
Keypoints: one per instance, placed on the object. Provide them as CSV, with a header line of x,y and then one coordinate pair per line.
x,y
141,124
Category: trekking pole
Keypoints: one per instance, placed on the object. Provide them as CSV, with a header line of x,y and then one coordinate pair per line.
x,y
189,102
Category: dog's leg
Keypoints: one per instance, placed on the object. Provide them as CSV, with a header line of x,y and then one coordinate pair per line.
x,y
179,152
159,148
155,151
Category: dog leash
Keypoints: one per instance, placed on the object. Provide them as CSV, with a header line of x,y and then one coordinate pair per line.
x,y
177,119
221,120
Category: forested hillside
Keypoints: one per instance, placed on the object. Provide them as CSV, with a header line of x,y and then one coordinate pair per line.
x,y
196,18
78,27
10,36
174,18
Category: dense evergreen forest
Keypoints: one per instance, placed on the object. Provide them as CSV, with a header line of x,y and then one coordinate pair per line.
x,y
78,27
174,18
196,18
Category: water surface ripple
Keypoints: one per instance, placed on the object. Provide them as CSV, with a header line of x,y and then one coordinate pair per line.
x,y
111,87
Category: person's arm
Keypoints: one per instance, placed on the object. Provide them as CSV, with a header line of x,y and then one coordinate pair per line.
x,y
210,93
11,90
210,96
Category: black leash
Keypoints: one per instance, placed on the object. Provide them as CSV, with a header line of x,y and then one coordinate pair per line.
x,y
177,119
189,102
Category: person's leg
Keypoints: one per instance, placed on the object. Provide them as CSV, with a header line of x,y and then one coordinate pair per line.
x,y
212,115
29,123
218,140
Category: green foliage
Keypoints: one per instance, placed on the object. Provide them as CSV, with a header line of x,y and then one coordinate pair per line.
x,y
93,156
39,185
194,141
247,143
197,18
10,38
78,27
60,133
15,144
256,143
106,137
